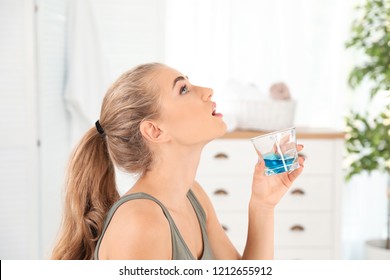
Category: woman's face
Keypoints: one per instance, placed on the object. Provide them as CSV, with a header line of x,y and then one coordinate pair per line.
x,y
188,114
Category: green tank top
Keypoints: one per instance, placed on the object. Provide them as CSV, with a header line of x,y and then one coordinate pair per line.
x,y
180,250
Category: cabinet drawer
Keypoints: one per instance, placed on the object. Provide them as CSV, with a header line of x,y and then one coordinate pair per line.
x,y
236,228
303,229
308,193
228,157
227,193
295,247
303,254
319,156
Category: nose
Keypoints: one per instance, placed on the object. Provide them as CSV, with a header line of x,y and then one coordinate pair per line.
x,y
207,93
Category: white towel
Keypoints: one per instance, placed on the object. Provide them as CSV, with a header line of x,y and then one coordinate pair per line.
x,y
87,68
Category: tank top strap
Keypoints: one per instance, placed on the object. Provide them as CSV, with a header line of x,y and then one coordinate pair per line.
x,y
207,252
174,231
180,250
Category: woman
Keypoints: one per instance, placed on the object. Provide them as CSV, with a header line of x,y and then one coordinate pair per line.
x,y
154,122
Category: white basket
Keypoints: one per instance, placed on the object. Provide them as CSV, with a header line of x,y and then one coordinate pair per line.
x,y
266,114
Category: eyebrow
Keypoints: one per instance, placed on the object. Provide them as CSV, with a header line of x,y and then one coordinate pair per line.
x,y
180,78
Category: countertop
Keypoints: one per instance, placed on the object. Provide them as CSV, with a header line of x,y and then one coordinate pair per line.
x,y
302,133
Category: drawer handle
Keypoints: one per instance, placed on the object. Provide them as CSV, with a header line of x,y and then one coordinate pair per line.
x,y
225,228
298,192
221,156
220,192
297,228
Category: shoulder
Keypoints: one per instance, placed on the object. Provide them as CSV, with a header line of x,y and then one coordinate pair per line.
x,y
138,230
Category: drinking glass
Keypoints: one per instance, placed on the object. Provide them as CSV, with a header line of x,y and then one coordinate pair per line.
x,y
279,150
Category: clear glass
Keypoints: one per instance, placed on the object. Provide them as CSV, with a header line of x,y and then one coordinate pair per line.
x,y
279,151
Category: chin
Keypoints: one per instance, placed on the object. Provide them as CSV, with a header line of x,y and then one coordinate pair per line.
x,y
221,130
224,129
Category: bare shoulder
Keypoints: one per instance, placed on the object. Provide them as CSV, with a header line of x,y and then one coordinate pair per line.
x,y
138,230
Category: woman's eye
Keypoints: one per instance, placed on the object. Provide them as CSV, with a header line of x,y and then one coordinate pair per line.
x,y
184,89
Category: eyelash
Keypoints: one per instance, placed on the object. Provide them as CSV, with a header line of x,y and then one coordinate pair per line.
x,y
184,87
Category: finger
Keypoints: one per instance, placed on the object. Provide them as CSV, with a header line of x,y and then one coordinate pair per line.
x,y
294,175
300,147
259,167
301,160
282,145
284,140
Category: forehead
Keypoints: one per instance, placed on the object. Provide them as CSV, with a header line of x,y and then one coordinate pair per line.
x,y
165,76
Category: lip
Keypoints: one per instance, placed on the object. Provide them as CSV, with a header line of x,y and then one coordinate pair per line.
x,y
214,112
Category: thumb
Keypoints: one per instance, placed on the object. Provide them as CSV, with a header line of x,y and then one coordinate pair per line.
x,y
260,165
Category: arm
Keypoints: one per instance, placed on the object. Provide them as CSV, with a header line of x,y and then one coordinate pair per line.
x,y
260,239
266,193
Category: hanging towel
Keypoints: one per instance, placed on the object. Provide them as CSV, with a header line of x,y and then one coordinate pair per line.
x,y
87,68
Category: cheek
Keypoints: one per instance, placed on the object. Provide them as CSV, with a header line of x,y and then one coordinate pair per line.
x,y
185,122
184,114
176,119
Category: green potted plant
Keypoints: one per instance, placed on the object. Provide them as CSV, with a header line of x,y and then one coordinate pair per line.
x,y
368,134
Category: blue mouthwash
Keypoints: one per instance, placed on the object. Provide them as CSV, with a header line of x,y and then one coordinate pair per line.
x,y
276,163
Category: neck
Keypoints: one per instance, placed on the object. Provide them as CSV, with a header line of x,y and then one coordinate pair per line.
x,y
171,176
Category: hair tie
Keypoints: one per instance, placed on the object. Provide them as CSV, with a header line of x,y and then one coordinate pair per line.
x,y
99,128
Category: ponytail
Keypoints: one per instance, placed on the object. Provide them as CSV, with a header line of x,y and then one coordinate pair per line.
x,y
90,183
90,192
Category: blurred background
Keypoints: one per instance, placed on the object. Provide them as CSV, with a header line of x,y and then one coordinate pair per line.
x,y
57,58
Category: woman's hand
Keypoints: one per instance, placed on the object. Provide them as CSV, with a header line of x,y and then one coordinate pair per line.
x,y
268,190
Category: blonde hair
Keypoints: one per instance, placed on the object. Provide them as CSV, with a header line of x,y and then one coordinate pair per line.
x,y
90,185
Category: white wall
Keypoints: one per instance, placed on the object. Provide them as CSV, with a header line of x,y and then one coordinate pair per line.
x,y
19,189
51,20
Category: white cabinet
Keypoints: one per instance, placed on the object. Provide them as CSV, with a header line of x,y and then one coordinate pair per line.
x,y
307,224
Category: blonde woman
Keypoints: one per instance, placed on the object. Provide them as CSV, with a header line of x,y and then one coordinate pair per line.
x,y
154,122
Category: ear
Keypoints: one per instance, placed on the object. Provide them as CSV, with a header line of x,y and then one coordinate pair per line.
x,y
152,132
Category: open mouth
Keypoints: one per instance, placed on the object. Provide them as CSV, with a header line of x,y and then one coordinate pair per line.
x,y
215,113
